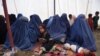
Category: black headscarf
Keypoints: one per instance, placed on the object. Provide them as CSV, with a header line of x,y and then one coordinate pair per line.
x,y
12,18
3,29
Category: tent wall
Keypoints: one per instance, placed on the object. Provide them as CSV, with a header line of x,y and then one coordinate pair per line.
x,y
44,8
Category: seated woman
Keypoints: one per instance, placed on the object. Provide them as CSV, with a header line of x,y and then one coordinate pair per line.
x,y
3,30
20,35
57,28
82,40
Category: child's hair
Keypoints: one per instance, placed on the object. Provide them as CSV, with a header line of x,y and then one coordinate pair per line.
x,y
70,16
97,12
90,15
43,26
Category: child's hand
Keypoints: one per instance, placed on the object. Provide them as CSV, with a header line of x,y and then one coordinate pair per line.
x,y
51,39
42,40
81,50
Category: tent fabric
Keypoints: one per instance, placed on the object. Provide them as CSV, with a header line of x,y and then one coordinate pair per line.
x,y
55,29
81,34
20,35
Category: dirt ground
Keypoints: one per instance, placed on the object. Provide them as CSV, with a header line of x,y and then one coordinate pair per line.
x,y
97,37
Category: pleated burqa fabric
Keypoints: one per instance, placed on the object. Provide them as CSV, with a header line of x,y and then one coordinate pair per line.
x,y
81,34
55,28
34,28
19,15
65,24
45,22
37,18
20,35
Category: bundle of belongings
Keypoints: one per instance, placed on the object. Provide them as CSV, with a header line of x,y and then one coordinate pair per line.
x,y
53,37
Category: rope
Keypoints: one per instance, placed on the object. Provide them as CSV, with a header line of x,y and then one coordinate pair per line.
x,y
59,6
87,7
76,6
48,8
15,7
54,7
68,6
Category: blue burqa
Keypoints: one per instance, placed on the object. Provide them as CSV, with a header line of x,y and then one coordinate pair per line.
x,y
37,18
19,15
65,24
55,29
34,28
81,34
45,22
20,35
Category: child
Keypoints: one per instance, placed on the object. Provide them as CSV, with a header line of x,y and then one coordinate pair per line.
x,y
71,19
90,21
95,20
45,40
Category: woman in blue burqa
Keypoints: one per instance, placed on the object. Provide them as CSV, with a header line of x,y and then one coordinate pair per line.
x,y
34,32
56,28
65,24
82,39
19,15
20,35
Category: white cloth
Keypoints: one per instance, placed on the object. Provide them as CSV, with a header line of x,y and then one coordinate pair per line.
x,y
67,46
74,48
80,49
71,22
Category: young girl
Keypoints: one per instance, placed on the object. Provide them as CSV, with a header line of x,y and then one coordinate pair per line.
x,y
90,21
45,38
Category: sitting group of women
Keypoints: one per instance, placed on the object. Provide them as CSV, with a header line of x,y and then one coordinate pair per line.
x,y
53,37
